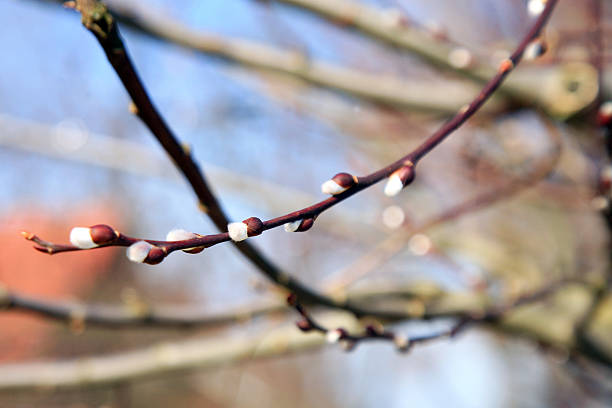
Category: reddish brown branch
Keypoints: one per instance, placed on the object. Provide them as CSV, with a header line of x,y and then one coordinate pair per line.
x,y
409,160
100,23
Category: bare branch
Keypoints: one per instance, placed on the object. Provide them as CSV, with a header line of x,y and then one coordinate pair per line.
x,y
343,185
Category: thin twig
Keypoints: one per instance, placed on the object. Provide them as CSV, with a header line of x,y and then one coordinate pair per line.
x,y
407,163
349,341
99,21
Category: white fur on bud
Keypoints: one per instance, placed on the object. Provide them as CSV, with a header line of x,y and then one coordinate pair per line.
x,y
180,235
80,237
401,341
292,226
237,231
536,7
394,185
332,336
138,251
534,50
333,188
460,58
183,235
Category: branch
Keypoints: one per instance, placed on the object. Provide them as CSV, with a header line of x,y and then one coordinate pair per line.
x,y
391,27
349,341
406,93
123,155
139,316
99,21
396,241
342,186
168,358
161,359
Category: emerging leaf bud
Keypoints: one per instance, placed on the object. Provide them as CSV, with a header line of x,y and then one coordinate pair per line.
x,y
143,252
299,225
604,114
372,331
254,226
535,49
333,336
535,7
401,342
398,180
605,179
304,325
92,237
292,299
239,231
182,235
460,58
506,65
338,184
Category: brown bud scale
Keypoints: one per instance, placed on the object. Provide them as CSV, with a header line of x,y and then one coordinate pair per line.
x,y
155,256
254,226
102,234
305,225
344,180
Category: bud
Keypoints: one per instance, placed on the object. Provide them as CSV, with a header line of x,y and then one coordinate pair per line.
x,y
254,226
92,237
333,336
401,342
605,179
535,7
604,114
292,299
239,231
535,49
372,331
399,179
460,58
299,225
144,252
506,65
304,325
182,235
338,184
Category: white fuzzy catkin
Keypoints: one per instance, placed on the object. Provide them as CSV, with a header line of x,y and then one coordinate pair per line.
x,y
536,7
138,251
401,341
332,336
80,237
606,108
237,231
333,188
394,185
534,50
180,235
292,226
